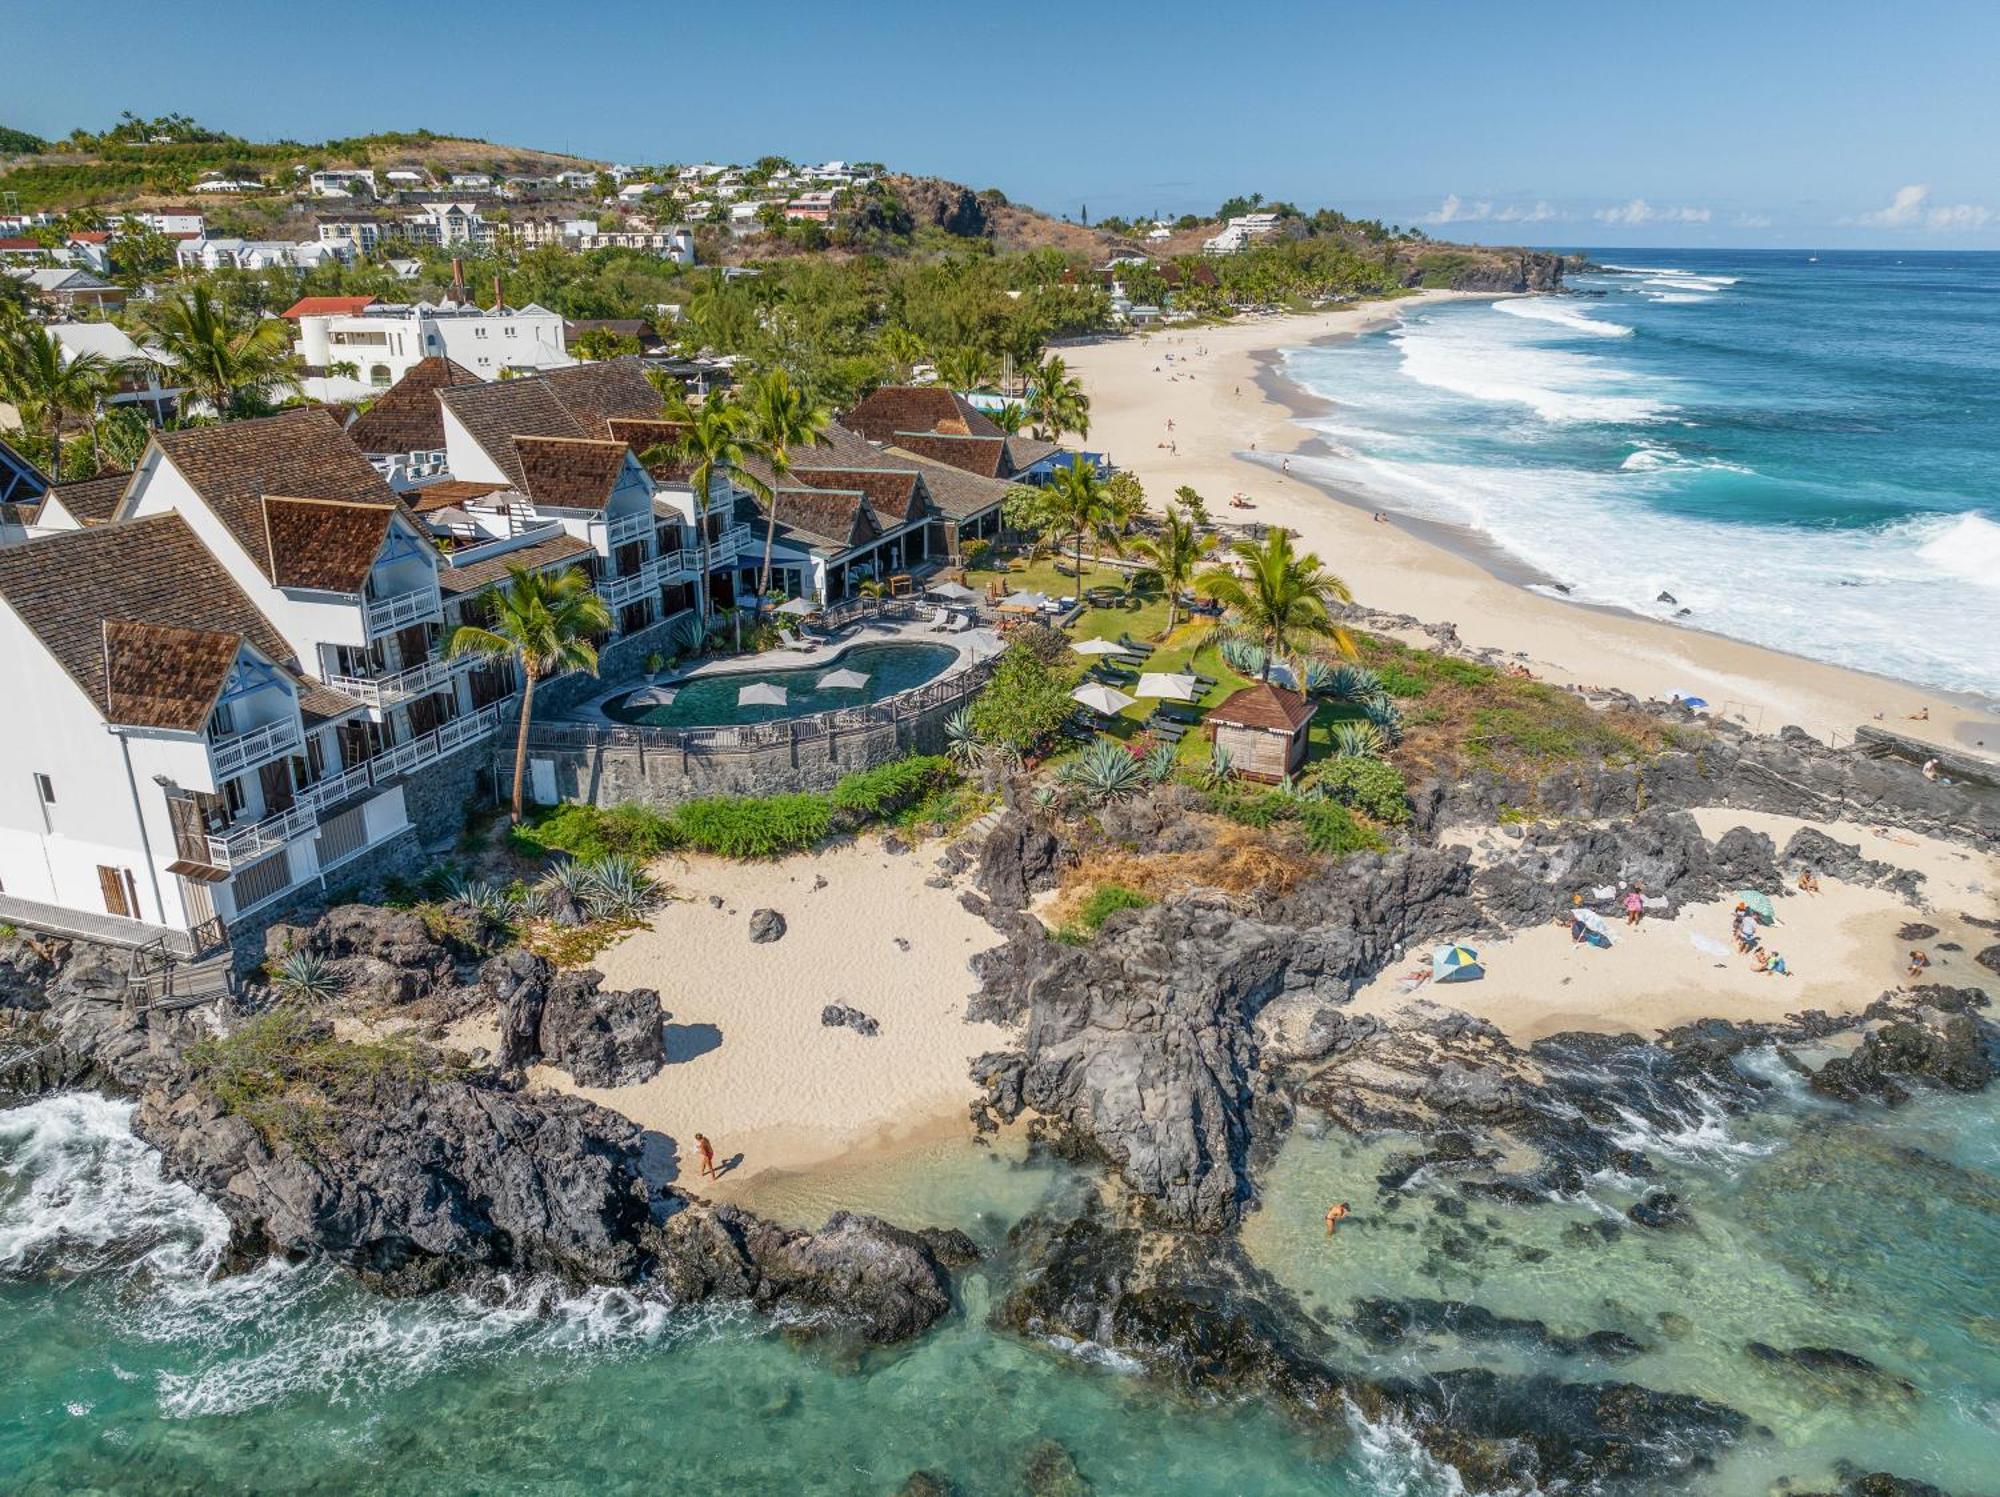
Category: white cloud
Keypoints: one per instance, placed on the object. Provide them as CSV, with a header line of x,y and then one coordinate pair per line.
x,y
1639,211
1912,208
1455,210
1753,221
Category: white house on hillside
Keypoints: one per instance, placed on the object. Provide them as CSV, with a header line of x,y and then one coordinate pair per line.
x,y
384,341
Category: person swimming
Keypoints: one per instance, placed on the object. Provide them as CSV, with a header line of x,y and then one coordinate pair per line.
x,y
1335,1215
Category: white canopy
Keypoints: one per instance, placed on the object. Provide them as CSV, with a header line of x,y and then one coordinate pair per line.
x,y
954,592
761,694
842,680
1101,698
797,607
1025,599
1098,647
1176,688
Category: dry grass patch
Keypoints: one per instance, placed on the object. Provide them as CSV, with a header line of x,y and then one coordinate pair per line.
x,y
1238,860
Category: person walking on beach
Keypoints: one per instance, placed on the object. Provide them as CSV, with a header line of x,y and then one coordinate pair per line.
x,y
1335,1215
1635,904
706,1152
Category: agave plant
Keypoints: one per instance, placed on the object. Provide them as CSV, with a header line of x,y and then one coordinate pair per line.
x,y
1352,683
1220,770
563,893
1158,764
1384,715
1316,678
306,977
961,744
1361,740
619,889
1245,657
1104,772
1044,798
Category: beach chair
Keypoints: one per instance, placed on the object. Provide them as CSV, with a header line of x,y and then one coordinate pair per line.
x,y
1137,647
955,623
1166,729
792,641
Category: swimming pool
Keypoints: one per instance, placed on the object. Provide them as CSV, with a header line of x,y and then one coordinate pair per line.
x,y
711,700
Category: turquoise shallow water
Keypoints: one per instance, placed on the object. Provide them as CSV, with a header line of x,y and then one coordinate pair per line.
x,y
890,668
1796,450
128,1371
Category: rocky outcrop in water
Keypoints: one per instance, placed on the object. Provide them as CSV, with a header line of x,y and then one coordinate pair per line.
x,y
1937,1040
1193,1313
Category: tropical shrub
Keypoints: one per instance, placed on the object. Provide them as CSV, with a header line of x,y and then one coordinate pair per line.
x,y
1331,828
1219,770
888,788
1356,740
1105,771
961,744
1352,683
1383,713
1159,763
1025,703
306,977
763,827
1370,786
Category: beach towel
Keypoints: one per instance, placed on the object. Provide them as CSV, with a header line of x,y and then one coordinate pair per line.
x,y
1656,901
1604,891
1707,945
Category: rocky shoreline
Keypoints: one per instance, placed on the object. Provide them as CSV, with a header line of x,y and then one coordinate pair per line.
x,y
1173,1052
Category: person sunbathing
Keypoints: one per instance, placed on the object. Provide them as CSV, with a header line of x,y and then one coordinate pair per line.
x,y
1919,963
1809,882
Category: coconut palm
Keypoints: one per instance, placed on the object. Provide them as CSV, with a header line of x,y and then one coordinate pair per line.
x,y
50,389
712,440
1280,596
1072,506
782,418
902,348
1176,551
226,361
546,624
1056,401
1010,418
963,368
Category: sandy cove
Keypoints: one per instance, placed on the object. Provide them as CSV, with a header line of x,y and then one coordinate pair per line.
x,y
748,1061
1219,407
1841,944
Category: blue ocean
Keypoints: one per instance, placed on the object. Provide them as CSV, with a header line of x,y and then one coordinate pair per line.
x,y
1798,449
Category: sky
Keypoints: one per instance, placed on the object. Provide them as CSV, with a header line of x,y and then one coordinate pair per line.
x,y
1758,122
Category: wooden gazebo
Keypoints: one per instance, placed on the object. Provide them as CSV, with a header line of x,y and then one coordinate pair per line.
x,y
1264,729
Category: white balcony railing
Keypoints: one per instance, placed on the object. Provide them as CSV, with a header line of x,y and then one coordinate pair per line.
x,y
386,691
731,543
618,591
245,844
241,751
678,566
630,527
400,610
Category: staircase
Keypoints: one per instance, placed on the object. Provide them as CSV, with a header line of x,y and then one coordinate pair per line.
x,y
162,982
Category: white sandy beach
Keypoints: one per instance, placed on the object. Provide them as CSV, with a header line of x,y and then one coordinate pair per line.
x,y
1221,411
749,1063
1841,945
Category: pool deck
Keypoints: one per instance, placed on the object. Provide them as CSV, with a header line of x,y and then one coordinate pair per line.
x,y
971,644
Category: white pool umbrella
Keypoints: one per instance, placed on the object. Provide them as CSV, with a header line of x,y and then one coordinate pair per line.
x,y
761,694
1175,688
952,592
797,607
1101,698
842,680
653,696
1024,599
1098,647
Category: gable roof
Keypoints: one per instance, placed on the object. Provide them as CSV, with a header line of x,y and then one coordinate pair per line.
x,y
898,493
825,519
580,402
92,501
323,544
405,417
147,572
1264,706
883,413
954,490
570,472
164,675
295,455
328,306
982,455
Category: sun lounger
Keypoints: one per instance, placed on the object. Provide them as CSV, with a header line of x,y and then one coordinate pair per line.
x,y
1135,646
1167,730
955,623
793,641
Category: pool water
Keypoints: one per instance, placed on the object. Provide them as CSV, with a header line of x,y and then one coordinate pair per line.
x,y
710,700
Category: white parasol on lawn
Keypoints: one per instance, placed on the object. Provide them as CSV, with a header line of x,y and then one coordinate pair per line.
x,y
1168,684
1101,698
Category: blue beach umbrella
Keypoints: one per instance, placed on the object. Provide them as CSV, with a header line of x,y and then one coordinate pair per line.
x,y
1759,904
1456,964
1687,701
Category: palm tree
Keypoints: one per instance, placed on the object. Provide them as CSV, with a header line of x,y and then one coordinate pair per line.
x,y
1176,551
217,358
903,349
1073,505
781,417
1281,596
963,368
1057,402
49,388
712,440
546,624
1010,418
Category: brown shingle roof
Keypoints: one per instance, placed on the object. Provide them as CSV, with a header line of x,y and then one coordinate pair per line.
x,y
449,491
483,573
1024,452
151,571
323,544
164,676
295,454
957,492
826,519
897,495
405,417
643,435
882,414
93,501
981,455
578,402
569,472
1264,706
